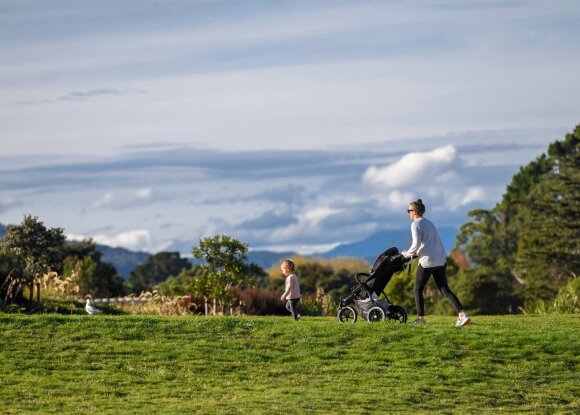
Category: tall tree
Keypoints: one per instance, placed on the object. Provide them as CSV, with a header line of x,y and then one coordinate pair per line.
x,y
527,245
548,252
38,249
224,264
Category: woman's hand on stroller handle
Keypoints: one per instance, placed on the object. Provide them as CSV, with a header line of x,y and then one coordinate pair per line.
x,y
407,260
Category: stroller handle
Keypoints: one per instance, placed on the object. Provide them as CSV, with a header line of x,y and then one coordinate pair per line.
x,y
364,274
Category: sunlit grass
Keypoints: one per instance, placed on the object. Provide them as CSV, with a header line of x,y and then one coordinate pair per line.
x,y
170,365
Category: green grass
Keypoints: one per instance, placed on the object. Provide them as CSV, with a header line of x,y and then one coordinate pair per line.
x,y
54,364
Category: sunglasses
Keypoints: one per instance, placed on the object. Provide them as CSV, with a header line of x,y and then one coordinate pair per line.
x,y
410,210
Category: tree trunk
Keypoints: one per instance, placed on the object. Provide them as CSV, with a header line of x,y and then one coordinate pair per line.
x,y
38,283
31,288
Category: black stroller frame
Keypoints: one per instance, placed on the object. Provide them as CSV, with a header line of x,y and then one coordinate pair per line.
x,y
365,295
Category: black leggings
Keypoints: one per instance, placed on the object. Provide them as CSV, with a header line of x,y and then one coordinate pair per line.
x,y
292,306
440,277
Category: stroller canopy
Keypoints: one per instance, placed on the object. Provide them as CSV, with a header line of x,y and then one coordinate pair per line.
x,y
385,266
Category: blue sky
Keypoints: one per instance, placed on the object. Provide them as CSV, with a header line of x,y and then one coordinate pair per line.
x,y
287,124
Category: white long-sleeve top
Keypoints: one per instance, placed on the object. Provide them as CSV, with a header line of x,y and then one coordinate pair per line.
x,y
292,291
427,244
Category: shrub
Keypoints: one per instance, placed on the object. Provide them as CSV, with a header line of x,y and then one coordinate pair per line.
x,y
566,302
320,304
261,302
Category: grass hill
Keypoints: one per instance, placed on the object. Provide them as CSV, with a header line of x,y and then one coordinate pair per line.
x,y
269,365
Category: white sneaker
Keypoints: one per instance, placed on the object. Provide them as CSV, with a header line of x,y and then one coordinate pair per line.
x,y
462,321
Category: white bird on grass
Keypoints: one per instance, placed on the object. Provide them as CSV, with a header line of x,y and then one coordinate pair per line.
x,y
91,309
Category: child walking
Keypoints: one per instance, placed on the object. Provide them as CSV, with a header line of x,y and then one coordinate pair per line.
x,y
292,288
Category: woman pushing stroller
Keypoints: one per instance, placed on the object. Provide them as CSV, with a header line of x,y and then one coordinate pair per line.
x,y
427,245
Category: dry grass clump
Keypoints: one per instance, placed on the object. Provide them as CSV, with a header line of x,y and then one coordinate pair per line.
x,y
56,287
155,303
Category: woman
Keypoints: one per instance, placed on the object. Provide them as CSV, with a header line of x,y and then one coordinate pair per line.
x,y
428,247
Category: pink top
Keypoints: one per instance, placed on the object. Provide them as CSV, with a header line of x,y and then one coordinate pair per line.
x,y
292,288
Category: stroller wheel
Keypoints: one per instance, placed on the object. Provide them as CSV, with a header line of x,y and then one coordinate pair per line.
x,y
376,314
346,315
397,313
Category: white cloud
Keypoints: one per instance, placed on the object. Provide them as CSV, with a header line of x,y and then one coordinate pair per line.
x,y
474,194
412,168
304,249
144,193
456,200
130,239
307,226
316,215
136,240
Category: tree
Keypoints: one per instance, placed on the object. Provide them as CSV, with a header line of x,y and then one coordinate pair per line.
x,y
224,265
257,274
38,249
158,267
189,280
548,252
95,277
488,286
314,274
527,246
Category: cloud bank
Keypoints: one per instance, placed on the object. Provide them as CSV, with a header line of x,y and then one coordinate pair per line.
x,y
167,198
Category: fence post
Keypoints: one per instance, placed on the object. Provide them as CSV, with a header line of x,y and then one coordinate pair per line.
x,y
205,304
214,307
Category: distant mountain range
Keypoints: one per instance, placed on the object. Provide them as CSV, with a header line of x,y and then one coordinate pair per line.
x,y
378,242
124,260
369,248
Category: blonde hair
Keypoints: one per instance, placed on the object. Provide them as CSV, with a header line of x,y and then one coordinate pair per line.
x,y
290,264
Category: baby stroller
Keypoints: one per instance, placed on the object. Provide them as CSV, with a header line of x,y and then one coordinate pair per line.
x,y
365,295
